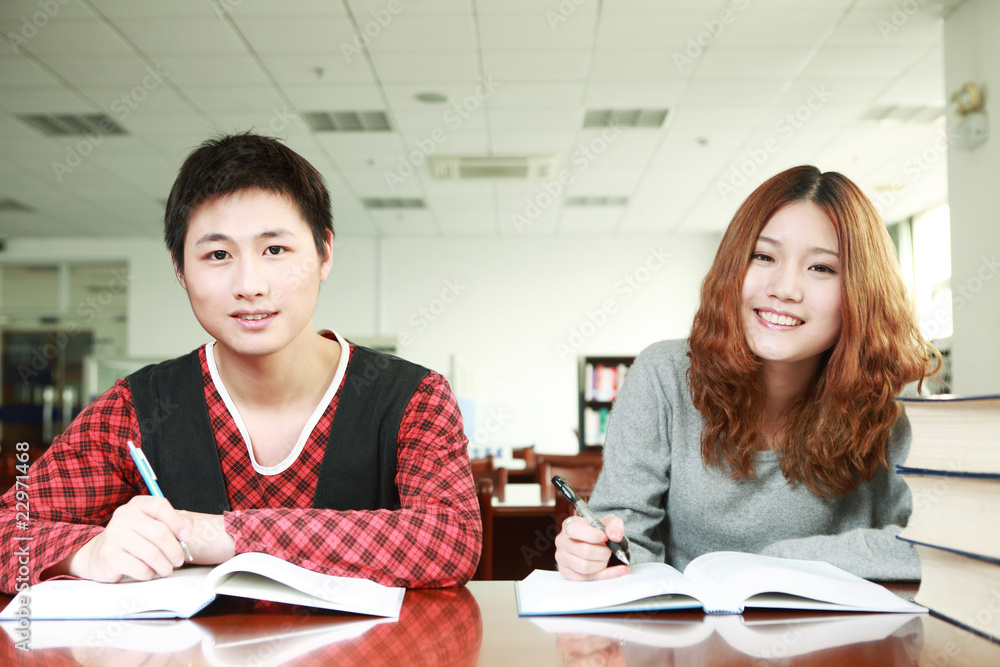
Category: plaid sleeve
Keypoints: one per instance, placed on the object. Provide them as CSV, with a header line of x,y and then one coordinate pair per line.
x,y
71,491
434,540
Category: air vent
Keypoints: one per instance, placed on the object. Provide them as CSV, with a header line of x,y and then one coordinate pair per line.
x,y
70,124
461,167
347,121
596,201
625,117
395,203
904,115
9,205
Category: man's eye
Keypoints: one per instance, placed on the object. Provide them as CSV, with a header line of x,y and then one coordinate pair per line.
x,y
275,250
219,254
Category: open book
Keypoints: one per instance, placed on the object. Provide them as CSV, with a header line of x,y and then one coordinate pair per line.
x,y
723,582
250,575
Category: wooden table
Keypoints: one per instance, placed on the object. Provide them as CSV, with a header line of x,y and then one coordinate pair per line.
x,y
479,625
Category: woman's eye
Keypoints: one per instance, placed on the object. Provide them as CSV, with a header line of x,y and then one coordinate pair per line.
x,y
274,250
764,257
823,268
219,254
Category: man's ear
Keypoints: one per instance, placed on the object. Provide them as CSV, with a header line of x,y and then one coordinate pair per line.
x,y
180,275
324,269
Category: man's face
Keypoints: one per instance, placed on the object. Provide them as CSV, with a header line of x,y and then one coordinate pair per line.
x,y
252,272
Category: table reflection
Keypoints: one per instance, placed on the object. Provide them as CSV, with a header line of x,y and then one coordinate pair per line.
x,y
750,639
435,627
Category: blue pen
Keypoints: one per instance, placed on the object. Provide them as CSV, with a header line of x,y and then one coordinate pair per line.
x,y
149,477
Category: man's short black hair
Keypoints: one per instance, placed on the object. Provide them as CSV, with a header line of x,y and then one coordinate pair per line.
x,y
229,164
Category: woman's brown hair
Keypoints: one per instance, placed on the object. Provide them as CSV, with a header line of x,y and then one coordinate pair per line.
x,y
835,434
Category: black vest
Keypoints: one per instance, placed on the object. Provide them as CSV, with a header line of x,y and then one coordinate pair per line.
x,y
358,471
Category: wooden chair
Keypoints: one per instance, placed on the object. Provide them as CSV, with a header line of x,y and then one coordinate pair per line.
x,y
530,458
580,470
484,491
485,469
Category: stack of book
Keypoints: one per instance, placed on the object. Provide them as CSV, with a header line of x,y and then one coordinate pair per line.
x,y
953,471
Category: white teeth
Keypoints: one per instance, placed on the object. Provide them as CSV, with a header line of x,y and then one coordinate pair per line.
x,y
782,320
253,317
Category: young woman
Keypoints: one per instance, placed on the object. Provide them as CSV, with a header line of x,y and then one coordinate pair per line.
x,y
772,429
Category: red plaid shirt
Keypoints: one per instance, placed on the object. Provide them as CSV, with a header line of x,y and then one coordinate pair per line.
x,y
433,540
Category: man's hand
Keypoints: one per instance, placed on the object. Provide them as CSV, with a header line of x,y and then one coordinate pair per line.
x,y
209,542
582,552
141,541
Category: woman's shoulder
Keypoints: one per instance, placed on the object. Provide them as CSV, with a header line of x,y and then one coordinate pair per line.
x,y
665,362
672,352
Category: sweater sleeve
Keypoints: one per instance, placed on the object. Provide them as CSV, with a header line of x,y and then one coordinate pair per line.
x,y
636,471
871,551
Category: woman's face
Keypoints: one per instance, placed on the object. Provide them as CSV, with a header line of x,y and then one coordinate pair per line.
x,y
792,288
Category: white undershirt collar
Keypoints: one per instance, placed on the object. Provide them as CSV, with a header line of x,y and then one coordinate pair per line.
x,y
213,369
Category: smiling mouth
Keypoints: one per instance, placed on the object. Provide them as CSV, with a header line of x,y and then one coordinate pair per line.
x,y
781,320
255,317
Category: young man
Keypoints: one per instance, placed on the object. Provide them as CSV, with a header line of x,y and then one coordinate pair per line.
x,y
272,437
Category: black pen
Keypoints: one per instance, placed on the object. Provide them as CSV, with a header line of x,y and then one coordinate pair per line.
x,y
619,549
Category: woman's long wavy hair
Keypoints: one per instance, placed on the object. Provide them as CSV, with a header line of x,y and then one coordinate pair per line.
x,y
835,435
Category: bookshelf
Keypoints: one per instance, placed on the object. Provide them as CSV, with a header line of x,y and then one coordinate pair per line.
x,y
599,379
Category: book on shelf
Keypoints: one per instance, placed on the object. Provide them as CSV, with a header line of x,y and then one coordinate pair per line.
x,y
960,587
595,424
187,590
767,638
954,434
722,582
953,511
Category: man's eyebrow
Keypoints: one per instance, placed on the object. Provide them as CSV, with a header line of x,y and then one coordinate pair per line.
x,y
814,250
214,237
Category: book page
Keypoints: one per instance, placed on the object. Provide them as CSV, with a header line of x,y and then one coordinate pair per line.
x,y
261,576
739,579
180,595
547,592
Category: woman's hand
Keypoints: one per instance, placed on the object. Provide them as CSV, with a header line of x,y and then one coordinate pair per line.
x,y
582,552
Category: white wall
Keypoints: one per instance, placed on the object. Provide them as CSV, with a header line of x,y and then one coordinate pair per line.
x,y
515,313
972,53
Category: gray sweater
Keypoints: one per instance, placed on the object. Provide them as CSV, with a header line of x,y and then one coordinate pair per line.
x,y
676,508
